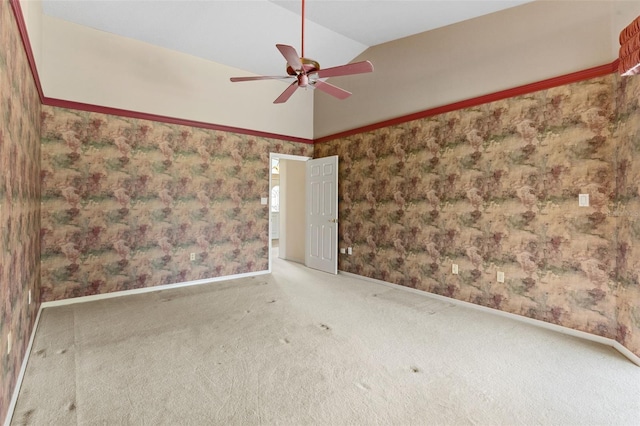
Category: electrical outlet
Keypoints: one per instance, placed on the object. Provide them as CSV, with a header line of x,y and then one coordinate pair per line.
x,y
29,296
349,251
343,250
454,269
192,256
9,343
500,277
583,200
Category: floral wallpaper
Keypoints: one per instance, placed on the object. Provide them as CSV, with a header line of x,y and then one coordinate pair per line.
x,y
627,212
126,201
19,203
495,188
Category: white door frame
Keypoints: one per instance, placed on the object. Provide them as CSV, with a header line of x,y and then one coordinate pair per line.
x,y
272,156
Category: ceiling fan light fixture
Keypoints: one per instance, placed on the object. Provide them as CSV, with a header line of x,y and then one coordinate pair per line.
x,y
303,80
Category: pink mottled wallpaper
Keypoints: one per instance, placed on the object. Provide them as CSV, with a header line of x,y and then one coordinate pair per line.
x,y
125,201
627,212
19,203
495,188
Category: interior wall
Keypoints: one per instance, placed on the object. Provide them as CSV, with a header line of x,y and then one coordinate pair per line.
x,y
495,188
500,51
626,211
32,14
19,204
85,65
293,205
126,201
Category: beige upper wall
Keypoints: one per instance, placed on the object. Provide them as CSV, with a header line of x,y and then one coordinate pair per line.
x,y
503,50
32,12
86,65
500,51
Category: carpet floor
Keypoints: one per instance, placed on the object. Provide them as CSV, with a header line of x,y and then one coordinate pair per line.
x,y
301,347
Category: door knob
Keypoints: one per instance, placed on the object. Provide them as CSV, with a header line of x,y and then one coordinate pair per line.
x,y
333,220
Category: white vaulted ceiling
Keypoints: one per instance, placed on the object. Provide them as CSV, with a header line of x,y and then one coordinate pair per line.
x,y
243,33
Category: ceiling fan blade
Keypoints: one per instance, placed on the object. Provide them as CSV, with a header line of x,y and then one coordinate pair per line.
x,y
284,97
290,55
332,90
262,77
356,68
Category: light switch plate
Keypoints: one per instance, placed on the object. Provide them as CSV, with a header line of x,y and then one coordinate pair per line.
x,y
500,276
264,201
583,200
454,269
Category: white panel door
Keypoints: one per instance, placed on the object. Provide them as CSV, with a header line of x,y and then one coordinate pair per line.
x,y
322,214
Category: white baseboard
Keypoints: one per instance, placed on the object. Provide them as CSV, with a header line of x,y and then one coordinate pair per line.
x,y
84,299
23,369
538,323
626,352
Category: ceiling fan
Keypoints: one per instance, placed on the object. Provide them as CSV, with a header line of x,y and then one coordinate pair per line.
x,y
307,72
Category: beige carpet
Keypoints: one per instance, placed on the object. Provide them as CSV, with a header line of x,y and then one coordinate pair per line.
x,y
302,347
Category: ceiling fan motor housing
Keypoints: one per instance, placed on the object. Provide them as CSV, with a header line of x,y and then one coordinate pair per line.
x,y
310,66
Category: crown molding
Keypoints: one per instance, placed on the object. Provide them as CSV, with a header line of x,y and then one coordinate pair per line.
x,y
60,103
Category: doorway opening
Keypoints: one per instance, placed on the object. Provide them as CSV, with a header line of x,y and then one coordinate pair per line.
x,y
287,197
